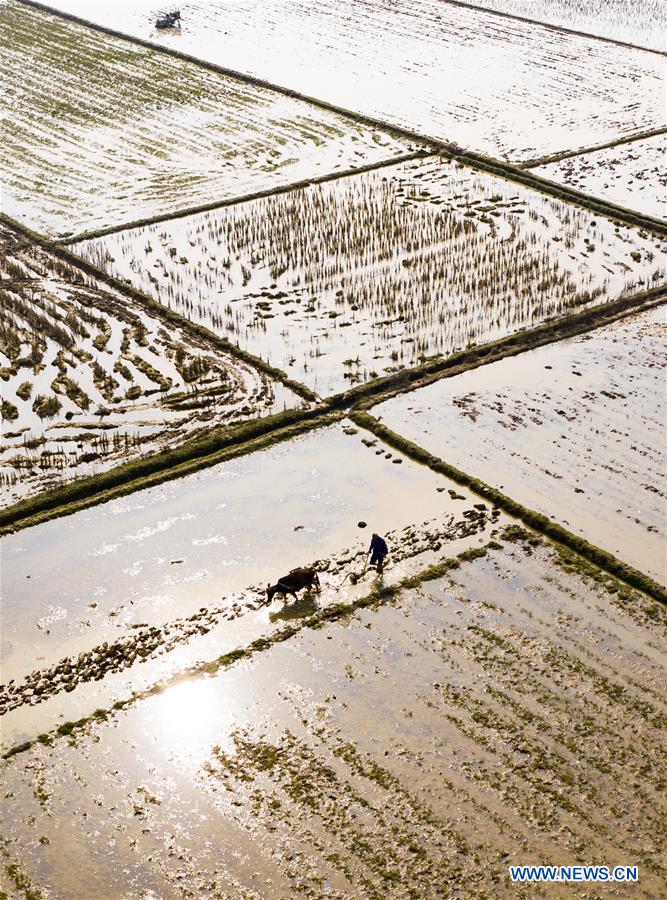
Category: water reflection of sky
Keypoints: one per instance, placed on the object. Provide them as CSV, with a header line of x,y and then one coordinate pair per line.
x,y
188,717
170,550
348,280
499,86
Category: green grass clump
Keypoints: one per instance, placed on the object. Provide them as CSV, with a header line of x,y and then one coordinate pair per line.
x,y
18,748
23,883
529,517
228,658
66,728
515,533
472,553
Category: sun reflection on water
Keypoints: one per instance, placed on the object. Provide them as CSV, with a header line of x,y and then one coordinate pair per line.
x,y
191,717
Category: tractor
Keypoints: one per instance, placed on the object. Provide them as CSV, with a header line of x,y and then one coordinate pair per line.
x,y
169,20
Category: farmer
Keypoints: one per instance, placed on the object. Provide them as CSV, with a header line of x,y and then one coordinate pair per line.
x,y
378,550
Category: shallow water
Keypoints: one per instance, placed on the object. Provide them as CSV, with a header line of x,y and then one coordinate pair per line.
x,y
504,715
124,383
509,713
341,282
505,88
163,553
105,132
632,175
641,23
574,430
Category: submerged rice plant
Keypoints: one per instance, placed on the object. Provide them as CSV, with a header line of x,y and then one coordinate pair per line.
x,y
385,268
88,381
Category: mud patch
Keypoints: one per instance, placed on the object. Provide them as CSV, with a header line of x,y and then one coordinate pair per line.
x,y
508,712
574,430
89,382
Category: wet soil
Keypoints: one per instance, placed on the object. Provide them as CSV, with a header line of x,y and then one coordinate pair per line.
x,y
630,175
574,430
621,20
143,133
509,713
491,698
145,564
508,89
88,382
148,642
340,283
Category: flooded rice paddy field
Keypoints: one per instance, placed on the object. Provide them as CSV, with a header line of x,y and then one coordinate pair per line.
x,y
130,579
88,381
505,88
509,712
143,133
341,282
631,175
491,698
574,430
643,23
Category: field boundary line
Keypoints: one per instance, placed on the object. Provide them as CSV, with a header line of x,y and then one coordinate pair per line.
x,y
559,29
245,437
425,153
529,179
217,446
562,29
378,596
162,312
569,154
509,171
364,396
230,73
246,198
537,521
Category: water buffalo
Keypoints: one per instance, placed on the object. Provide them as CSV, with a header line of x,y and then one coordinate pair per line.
x,y
290,584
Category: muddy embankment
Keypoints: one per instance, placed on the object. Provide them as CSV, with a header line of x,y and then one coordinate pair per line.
x,y
151,641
